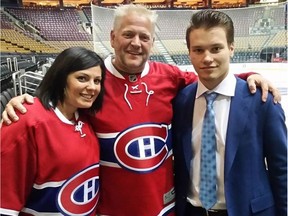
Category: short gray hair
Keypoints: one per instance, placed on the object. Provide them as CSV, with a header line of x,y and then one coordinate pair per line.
x,y
140,10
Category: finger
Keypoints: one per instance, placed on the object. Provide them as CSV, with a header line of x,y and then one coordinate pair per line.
x,y
264,87
11,114
252,84
252,89
5,118
28,98
276,94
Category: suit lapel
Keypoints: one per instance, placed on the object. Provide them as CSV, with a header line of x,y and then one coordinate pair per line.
x,y
187,124
238,117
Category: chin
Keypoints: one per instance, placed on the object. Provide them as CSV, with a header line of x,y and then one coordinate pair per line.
x,y
85,105
136,63
133,62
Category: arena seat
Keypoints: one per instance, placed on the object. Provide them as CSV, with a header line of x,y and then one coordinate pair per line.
x,y
181,59
5,97
279,39
87,12
159,58
5,77
53,23
61,29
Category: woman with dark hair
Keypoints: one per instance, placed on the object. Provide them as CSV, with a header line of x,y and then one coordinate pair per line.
x,y
50,158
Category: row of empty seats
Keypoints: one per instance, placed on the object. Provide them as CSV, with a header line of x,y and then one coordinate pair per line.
x,y
23,42
61,28
54,24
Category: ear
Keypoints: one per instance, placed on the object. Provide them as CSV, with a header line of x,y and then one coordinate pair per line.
x,y
112,37
232,48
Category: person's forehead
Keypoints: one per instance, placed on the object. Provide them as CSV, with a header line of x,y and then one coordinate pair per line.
x,y
135,20
208,37
208,32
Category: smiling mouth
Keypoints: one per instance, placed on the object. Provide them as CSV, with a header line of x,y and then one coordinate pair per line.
x,y
89,97
134,54
208,68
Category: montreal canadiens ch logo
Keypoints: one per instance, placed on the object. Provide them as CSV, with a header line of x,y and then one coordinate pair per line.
x,y
79,195
142,148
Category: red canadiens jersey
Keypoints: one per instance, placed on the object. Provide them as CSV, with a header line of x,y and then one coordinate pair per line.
x,y
49,165
134,130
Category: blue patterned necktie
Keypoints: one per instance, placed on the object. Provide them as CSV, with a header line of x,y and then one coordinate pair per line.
x,y
208,179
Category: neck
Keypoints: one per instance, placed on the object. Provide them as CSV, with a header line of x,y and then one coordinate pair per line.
x,y
69,114
125,74
122,72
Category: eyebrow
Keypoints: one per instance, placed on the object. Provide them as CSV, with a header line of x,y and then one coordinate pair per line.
x,y
212,45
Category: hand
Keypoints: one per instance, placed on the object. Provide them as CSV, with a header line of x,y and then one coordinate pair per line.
x,y
16,102
258,80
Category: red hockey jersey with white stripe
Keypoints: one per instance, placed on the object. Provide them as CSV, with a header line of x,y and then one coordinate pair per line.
x,y
49,165
134,130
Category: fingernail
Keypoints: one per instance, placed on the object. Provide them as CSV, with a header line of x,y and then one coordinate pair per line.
x,y
16,118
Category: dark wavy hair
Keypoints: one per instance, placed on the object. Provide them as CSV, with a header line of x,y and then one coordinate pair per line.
x,y
51,89
209,19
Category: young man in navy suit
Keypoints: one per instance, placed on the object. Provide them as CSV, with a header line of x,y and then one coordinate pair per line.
x,y
251,136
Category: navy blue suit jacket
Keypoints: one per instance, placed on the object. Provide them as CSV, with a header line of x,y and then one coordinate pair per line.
x,y
255,130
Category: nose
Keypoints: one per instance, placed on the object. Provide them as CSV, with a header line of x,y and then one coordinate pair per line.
x,y
135,41
92,86
208,58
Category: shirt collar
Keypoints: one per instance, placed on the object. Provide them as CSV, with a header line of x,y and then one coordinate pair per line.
x,y
226,87
110,67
